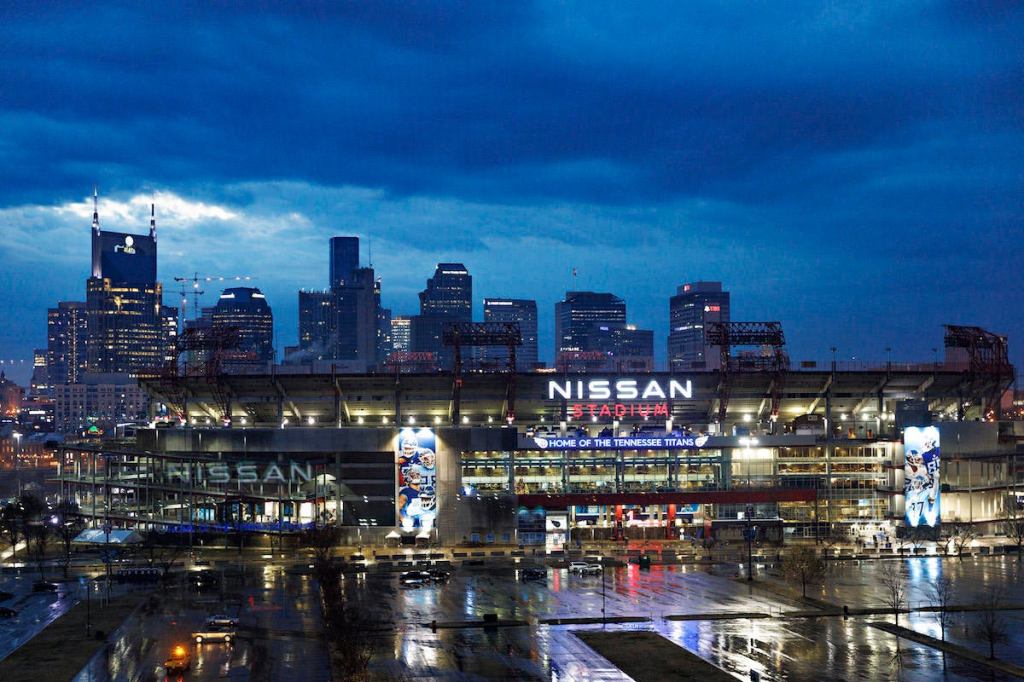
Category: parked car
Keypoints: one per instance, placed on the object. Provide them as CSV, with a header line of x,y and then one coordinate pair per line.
x,y
43,586
439,575
214,633
204,580
7,613
414,578
221,620
577,566
533,574
179,661
592,569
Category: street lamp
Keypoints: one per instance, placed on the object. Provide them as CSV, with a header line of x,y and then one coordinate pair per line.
x,y
604,617
17,458
750,538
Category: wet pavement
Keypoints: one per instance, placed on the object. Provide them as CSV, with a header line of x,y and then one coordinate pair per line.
x,y
777,648
36,610
278,638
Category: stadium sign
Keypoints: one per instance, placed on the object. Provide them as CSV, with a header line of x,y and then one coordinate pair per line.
x,y
614,399
619,390
241,472
667,442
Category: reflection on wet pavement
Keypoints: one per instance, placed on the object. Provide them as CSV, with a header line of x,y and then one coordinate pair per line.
x,y
778,648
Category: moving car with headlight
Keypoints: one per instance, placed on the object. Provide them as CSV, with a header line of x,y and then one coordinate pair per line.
x,y
179,661
214,633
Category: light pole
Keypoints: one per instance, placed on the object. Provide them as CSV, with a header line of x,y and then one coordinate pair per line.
x,y
750,538
17,459
604,617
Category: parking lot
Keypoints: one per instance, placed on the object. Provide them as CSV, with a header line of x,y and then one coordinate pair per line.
x,y
278,636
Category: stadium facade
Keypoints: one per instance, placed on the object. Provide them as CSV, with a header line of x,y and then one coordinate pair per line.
x,y
608,456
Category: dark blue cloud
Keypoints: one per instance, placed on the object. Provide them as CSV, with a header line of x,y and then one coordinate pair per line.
x,y
880,144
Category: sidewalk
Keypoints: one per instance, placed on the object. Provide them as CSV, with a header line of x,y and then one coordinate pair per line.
x,y
63,648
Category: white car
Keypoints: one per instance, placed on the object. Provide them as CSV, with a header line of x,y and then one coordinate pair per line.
x,y
214,634
221,620
592,569
577,566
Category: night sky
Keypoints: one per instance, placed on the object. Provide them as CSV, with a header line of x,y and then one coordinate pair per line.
x,y
856,172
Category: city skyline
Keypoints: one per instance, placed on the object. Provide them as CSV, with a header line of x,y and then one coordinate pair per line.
x,y
644,151
124,217
419,339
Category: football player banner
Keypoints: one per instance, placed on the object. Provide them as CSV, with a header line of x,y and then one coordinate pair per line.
x,y
416,498
921,476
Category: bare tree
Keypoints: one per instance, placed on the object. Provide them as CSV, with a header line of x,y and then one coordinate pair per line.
x,y
1013,523
11,524
960,535
804,564
942,594
894,586
161,555
67,524
321,540
37,534
991,621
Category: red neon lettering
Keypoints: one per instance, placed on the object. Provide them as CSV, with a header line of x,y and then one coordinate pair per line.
x,y
620,410
605,412
577,411
591,407
661,410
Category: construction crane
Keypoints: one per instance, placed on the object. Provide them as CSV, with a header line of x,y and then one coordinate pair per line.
x,y
196,292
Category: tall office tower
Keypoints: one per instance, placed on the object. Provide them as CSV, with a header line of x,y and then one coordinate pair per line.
x,y
169,317
66,342
518,310
246,309
694,306
383,332
448,298
196,359
401,334
449,293
126,333
342,323
315,322
39,384
576,316
626,348
355,319
344,259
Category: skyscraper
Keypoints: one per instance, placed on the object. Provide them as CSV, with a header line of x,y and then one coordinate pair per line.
x,y
246,309
66,339
576,316
355,324
126,331
449,293
169,319
39,384
626,348
401,333
315,321
344,259
342,323
383,331
518,310
448,298
694,306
